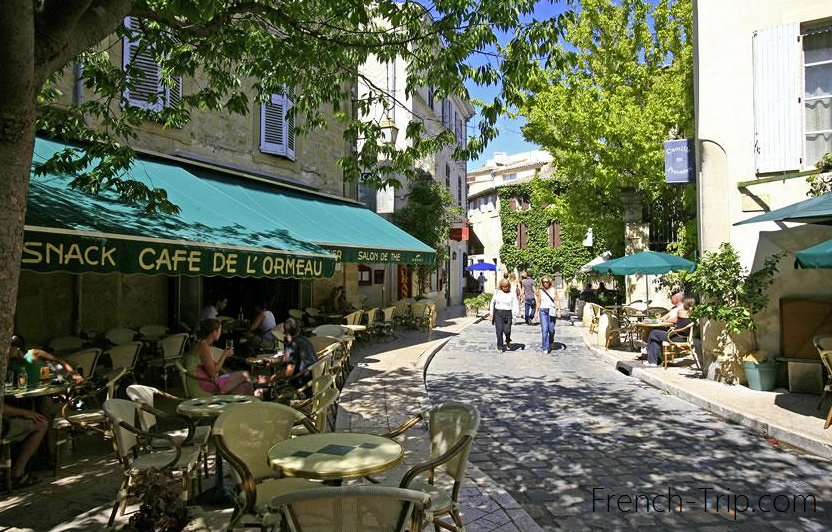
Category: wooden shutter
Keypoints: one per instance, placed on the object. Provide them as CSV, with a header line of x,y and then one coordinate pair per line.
x,y
145,89
777,102
277,129
521,236
554,235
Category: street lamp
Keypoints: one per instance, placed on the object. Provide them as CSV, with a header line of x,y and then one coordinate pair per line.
x,y
453,255
389,131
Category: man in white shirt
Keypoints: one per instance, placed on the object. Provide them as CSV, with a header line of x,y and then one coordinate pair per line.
x,y
214,307
678,300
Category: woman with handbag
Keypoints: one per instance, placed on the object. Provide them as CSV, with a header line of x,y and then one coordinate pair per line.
x,y
548,305
504,307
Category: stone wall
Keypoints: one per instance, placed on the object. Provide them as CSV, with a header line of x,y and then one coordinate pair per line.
x,y
61,304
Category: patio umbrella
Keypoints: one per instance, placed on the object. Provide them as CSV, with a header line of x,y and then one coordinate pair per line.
x,y
819,256
645,263
816,210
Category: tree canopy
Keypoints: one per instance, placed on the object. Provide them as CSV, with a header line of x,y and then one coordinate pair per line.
x,y
626,86
312,48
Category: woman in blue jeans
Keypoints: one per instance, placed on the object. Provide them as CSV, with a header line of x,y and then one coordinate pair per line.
x,y
548,306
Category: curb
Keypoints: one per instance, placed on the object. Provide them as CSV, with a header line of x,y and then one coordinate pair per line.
x,y
756,424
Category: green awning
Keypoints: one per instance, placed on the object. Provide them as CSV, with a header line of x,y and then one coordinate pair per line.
x,y
819,256
348,230
817,210
216,233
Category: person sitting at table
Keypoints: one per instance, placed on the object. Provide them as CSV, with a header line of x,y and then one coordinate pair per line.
x,y
215,305
237,382
259,334
31,362
338,302
654,341
299,354
588,294
677,299
28,428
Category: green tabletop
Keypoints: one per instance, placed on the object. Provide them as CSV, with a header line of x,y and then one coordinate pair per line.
x,y
335,455
212,406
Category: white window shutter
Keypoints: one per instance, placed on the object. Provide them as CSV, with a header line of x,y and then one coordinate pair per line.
x,y
173,94
147,92
277,131
777,107
290,129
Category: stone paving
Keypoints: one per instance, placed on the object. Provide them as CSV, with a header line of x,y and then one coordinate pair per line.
x,y
557,426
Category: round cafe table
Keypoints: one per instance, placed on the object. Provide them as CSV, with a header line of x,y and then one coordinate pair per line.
x,y
335,455
647,326
210,408
38,390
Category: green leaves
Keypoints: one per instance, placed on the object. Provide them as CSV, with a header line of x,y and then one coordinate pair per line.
x,y
231,54
604,114
729,293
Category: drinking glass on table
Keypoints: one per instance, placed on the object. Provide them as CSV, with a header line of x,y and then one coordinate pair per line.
x,y
229,344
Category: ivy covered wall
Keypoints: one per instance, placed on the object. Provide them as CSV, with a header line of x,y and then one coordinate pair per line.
x,y
538,257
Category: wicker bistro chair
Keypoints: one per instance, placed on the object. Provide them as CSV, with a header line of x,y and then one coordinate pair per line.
x,y
84,361
186,365
66,343
339,367
191,435
120,336
656,312
125,356
629,317
185,460
291,389
671,348
596,316
823,343
351,509
82,410
402,317
243,436
323,407
452,427
421,315
388,322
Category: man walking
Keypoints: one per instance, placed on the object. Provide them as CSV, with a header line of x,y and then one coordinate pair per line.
x,y
481,280
527,285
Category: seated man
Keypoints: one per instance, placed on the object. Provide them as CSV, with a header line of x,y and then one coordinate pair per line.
x,y
28,427
588,294
657,336
677,298
299,355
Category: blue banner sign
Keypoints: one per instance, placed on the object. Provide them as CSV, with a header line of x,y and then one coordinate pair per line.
x,y
679,161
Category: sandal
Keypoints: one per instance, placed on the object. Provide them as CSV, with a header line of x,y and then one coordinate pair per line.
x,y
24,481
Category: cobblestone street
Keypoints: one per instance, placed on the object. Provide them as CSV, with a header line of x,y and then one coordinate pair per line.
x,y
557,426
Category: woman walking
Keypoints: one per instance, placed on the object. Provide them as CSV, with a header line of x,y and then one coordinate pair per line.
x,y
504,307
548,305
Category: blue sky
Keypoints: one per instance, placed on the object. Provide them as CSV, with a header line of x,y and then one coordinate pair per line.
x,y
510,139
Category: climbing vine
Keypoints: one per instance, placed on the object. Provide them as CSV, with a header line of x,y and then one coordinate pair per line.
x,y
538,258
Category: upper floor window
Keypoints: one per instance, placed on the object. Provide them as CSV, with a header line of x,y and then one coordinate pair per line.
x,y
145,86
447,111
521,236
792,123
459,189
817,64
277,126
510,177
431,98
448,176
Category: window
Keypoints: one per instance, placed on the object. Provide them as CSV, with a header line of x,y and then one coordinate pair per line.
x,y
365,275
431,97
277,128
521,236
459,189
510,177
448,176
446,113
146,88
554,235
817,64
491,203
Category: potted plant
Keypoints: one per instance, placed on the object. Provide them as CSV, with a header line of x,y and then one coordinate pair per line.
x,y
730,297
162,508
473,304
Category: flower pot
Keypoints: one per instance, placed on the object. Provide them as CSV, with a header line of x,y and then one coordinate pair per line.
x,y
761,376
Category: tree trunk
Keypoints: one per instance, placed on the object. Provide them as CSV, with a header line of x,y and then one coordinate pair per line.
x,y
18,90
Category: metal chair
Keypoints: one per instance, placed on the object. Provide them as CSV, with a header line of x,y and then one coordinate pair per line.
x,y
596,316
823,343
66,343
351,509
314,316
388,324
656,312
82,410
84,361
243,436
672,347
120,336
452,427
125,356
122,414
191,435
186,365
173,346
